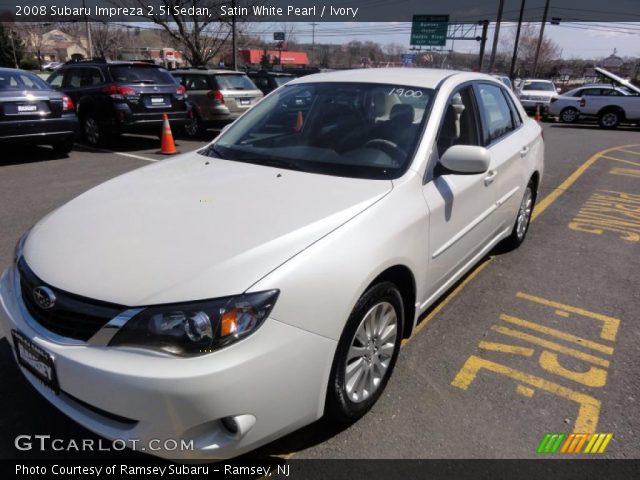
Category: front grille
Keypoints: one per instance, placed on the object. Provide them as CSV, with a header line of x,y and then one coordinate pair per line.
x,y
72,316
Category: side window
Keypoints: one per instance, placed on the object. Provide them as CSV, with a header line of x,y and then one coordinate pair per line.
x,y
579,93
515,114
612,93
92,77
56,80
593,92
460,123
261,82
196,82
495,113
180,79
73,78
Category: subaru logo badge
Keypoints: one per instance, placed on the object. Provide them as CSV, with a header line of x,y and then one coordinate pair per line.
x,y
44,297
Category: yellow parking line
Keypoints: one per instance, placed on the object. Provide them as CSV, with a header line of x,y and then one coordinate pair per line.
x,y
629,151
637,164
558,334
570,180
504,348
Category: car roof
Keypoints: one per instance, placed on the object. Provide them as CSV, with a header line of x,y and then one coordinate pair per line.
x,y
528,80
209,71
418,77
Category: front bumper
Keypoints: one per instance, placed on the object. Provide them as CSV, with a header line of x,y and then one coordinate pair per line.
x,y
274,381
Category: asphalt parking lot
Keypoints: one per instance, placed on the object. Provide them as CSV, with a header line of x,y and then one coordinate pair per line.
x,y
540,340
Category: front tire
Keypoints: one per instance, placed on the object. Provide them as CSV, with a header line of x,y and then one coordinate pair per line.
x,y
366,353
521,225
569,115
194,128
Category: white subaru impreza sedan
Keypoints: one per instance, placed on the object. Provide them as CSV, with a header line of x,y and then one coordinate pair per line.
x,y
231,295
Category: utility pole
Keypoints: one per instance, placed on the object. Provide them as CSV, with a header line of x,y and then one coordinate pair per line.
x,y
495,36
483,43
88,27
234,41
313,41
515,46
544,22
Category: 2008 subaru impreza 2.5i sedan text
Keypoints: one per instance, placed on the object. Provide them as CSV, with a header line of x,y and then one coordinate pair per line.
x,y
237,293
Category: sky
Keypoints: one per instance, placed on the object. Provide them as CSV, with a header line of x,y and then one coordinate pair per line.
x,y
577,40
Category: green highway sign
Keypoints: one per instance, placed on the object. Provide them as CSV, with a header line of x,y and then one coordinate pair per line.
x,y
429,30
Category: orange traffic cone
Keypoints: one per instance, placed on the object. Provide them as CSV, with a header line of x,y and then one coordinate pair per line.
x,y
167,146
538,118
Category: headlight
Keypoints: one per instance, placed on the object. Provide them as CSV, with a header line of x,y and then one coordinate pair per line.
x,y
196,328
17,252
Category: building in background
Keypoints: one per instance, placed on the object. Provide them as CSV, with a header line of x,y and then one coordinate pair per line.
x,y
254,58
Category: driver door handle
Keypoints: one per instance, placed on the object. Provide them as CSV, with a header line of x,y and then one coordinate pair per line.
x,y
491,176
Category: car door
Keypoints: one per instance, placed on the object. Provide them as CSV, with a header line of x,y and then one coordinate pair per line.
x,y
506,138
198,87
461,206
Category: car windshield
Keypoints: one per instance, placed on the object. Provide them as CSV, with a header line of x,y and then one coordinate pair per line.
x,y
21,81
543,86
361,130
235,82
141,74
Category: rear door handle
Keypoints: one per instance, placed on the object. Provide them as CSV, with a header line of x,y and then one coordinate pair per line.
x,y
491,176
524,151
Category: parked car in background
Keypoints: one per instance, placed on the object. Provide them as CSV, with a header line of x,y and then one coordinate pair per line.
x,y
117,97
504,79
32,112
534,94
612,110
335,213
269,81
51,66
567,106
218,96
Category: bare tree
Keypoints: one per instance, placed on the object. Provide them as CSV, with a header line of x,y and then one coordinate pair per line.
x,y
549,50
108,39
32,35
200,37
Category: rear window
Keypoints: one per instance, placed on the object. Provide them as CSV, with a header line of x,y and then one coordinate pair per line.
x,y
141,74
21,81
234,82
541,86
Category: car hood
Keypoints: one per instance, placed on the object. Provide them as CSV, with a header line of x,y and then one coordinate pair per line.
x,y
189,228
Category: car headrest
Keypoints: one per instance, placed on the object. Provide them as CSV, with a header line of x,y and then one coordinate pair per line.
x,y
402,113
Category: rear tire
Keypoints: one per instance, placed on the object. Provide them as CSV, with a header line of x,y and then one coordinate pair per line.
x,y
523,219
366,354
95,134
609,119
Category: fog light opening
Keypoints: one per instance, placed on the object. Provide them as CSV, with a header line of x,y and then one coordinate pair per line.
x,y
230,424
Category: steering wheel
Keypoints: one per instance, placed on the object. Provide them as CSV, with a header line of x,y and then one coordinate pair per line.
x,y
388,147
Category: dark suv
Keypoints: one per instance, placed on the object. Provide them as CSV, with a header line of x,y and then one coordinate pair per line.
x,y
117,97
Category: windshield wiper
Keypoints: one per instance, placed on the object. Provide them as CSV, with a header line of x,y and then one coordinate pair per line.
x,y
216,151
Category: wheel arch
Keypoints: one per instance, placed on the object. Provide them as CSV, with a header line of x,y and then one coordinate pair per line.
x,y
613,108
402,277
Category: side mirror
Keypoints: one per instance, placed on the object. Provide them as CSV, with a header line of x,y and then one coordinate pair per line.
x,y
466,159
